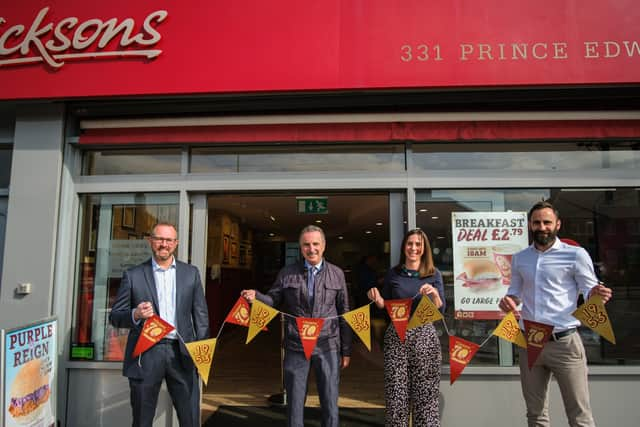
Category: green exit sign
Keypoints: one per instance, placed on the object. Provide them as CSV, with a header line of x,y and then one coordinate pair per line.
x,y
313,205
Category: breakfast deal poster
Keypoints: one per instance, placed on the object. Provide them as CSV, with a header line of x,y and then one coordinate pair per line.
x,y
483,244
29,375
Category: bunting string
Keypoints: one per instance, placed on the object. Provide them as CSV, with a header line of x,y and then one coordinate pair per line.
x,y
256,317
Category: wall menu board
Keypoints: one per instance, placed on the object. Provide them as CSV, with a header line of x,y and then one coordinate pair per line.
x,y
29,374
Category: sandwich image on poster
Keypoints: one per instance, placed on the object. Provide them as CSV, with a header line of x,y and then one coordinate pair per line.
x,y
480,274
29,393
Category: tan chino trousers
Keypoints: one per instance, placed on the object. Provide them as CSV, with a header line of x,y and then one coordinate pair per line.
x,y
567,361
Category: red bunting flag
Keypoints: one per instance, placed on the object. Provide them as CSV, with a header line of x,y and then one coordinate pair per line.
x,y
537,335
154,330
399,310
460,354
240,313
309,332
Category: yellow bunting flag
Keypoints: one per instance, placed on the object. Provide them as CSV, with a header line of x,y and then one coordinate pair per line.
x,y
460,354
593,315
201,353
426,312
537,335
509,330
261,315
360,321
399,310
153,331
309,330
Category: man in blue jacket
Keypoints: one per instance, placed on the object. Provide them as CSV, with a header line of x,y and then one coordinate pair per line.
x,y
314,288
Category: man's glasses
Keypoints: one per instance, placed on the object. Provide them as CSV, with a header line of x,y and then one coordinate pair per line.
x,y
165,240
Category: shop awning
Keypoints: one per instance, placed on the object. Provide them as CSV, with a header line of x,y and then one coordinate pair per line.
x,y
423,131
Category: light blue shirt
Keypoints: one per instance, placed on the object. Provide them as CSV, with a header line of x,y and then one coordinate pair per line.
x,y
548,283
166,288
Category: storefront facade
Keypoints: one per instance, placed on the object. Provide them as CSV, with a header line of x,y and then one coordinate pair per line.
x,y
233,120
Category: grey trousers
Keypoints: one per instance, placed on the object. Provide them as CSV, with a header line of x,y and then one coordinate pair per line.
x,y
296,373
566,360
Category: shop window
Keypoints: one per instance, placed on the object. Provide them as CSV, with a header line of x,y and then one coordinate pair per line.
x,y
545,156
112,238
5,166
129,162
603,221
299,158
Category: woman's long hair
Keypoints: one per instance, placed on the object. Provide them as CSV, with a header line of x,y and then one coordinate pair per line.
x,y
426,260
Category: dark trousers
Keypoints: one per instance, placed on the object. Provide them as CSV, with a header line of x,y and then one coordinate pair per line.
x,y
163,362
296,373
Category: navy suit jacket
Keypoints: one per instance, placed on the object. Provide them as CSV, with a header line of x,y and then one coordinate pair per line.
x,y
192,318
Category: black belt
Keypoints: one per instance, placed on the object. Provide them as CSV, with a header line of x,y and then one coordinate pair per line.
x,y
556,336
167,341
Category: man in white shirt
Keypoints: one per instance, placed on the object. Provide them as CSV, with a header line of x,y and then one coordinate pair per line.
x,y
547,278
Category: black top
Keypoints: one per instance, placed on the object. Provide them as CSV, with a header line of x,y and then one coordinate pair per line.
x,y
400,283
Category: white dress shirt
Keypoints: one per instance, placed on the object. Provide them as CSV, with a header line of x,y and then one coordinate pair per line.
x,y
548,283
166,288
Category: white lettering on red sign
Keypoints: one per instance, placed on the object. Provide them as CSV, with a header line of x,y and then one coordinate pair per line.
x,y
48,42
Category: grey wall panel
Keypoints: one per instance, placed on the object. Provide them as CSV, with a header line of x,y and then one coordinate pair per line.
x,y
100,398
496,401
32,213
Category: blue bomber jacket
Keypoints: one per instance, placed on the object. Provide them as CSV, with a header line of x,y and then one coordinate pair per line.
x,y
289,294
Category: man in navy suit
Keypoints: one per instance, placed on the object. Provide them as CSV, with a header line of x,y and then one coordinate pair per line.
x,y
172,290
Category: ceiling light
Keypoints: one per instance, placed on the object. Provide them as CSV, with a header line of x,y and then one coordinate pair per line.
x,y
271,234
435,217
423,210
272,218
378,223
368,231
340,237
318,221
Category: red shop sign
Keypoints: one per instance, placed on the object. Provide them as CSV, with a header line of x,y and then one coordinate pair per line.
x,y
76,48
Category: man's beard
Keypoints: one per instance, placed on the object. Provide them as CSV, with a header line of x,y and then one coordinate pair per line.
x,y
543,239
159,257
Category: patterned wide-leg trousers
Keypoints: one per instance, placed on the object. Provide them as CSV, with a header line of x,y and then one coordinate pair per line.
x,y
412,377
